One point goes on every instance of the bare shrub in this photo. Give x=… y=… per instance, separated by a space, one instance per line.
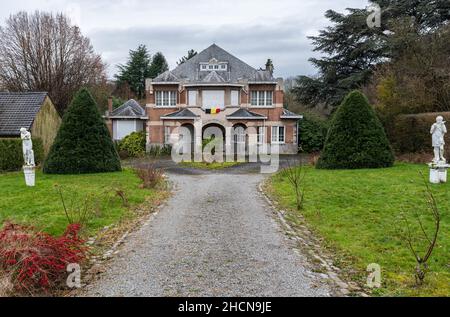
x=295 y=174
x=78 y=211
x=150 y=176
x=420 y=242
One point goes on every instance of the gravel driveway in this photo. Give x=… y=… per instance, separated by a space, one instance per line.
x=216 y=237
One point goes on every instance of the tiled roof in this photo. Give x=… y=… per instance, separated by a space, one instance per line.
x=182 y=114
x=290 y=115
x=131 y=109
x=237 y=70
x=213 y=77
x=245 y=114
x=18 y=110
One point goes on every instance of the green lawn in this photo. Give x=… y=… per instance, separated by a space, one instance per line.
x=41 y=206
x=357 y=213
x=210 y=166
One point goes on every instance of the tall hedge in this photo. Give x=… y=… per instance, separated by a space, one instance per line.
x=313 y=132
x=356 y=139
x=83 y=143
x=11 y=154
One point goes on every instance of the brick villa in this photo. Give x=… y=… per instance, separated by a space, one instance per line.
x=214 y=89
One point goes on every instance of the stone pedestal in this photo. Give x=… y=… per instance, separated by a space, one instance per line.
x=438 y=172
x=30 y=175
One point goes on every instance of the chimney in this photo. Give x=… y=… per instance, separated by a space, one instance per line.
x=269 y=66
x=110 y=105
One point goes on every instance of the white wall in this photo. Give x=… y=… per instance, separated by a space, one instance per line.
x=213 y=98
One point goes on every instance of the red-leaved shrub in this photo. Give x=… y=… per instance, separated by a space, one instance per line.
x=37 y=261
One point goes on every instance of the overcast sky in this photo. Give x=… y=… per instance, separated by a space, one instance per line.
x=253 y=30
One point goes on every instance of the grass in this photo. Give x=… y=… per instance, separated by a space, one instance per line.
x=41 y=206
x=357 y=213
x=209 y=166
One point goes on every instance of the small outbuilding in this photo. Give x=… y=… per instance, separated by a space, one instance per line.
x=126 y=119
x=31 y=110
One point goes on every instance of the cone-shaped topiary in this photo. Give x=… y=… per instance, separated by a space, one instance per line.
x=356 y=138
x=83 y=143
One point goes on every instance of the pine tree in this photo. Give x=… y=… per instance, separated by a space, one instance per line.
x=356 y=138
x=184 y=59
x=159 y=65
x=137 y=69
x=83 y=143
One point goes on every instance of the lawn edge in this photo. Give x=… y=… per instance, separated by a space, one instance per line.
x=316 y=254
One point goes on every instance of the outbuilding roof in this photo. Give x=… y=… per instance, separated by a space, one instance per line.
x=18 y=110
x=131 y=109
x=290 y=115
x=184 y=114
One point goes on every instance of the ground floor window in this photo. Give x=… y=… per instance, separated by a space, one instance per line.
x=261 y=135
x=278 y=135
x=166 y=135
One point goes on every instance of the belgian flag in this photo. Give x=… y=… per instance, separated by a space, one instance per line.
x=213 y=111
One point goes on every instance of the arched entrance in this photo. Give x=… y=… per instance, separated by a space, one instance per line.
x=216 y=132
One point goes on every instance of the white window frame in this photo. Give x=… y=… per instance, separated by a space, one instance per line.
x=167 y=135
x=261 y=98
x=166 y=98
x=237 y=97
x=276 y=135
x=261 y=136
x=193 y=97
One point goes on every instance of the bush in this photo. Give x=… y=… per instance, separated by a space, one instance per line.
x=133 y=145
x=312 y=133
x=11 y=154
x=356 y=138
x=36 y=261
x=411 y=133
x=156 y=150
x=83 y=144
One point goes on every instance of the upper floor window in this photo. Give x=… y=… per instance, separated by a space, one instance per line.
x=166 y=98
x=261 y=98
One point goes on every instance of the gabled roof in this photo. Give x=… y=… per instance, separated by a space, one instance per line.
x=213 y=77
x=237 y=70
x=290 y=115
x=184 y=114
x=168 y=76
x=18 y=110
x=244 y=114
x=131 y=109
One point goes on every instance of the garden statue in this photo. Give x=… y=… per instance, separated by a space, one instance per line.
x=439 y=166
x=27 y=146
x=438 y=130
x=28 y=157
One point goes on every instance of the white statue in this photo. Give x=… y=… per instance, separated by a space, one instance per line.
x=438 y=130
x=27 y=146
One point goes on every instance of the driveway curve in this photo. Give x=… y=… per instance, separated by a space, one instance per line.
x=215 y=237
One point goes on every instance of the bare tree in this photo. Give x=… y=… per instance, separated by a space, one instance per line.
x=430 y=240
x=45 y=52
x=295 y=174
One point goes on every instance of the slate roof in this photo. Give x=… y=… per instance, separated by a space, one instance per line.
x=181 y=114
x=237 y=70
x=18 y=110
x=131 y=109
x=245 y=114
x=290 y=115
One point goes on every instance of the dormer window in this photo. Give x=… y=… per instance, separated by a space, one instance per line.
x=214 y=65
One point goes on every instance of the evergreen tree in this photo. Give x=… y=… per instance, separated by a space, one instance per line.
x=137 y=69
x=184 y=59
x=159 y=65
x=352 y=49
x=83 y=143
x=356 y=138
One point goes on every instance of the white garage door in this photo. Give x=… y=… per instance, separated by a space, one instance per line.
x=213 y=99
x=123 y=128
